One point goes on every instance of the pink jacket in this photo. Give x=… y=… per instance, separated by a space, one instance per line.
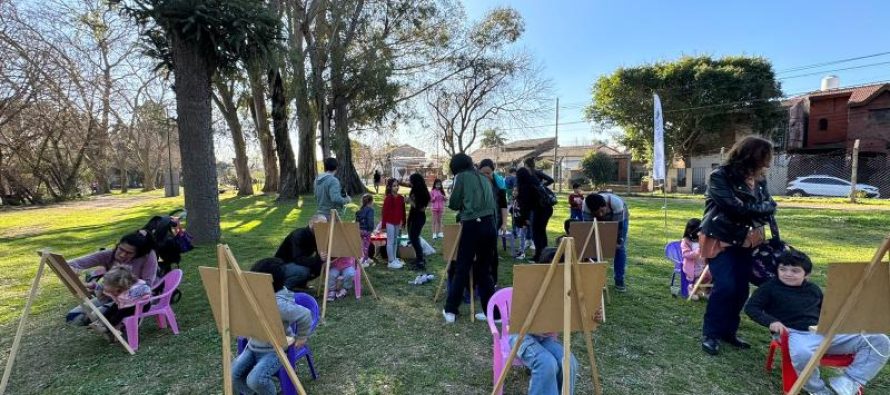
x=693 y=264
x=145 y=267
x=437 y=200
x=139 y=292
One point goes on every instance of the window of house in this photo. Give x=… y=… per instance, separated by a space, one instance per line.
x=823 y=124
x=880 y=115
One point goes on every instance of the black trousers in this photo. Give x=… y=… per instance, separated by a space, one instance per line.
x=478 y=239
x=730 y=271
x=415 y=225
x=540 y=218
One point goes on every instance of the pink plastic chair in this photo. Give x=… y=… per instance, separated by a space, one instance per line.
x=160 y=307
x=357 y=279
x=500 y=337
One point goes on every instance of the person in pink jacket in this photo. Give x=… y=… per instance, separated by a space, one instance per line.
x=437 y=206
x=693 y=263
x=126 y=291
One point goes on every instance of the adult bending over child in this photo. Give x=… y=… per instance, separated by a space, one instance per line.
x=134 y=250
x=790 y=303
x=303 y=261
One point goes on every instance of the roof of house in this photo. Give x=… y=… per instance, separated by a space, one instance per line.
x=529 y=144
x=406 y=151
x=501 y=156
x=580 y=151
x=858 y=95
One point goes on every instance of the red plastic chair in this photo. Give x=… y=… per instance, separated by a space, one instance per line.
x=500 y=337
x=160 y=308
x=789 y=375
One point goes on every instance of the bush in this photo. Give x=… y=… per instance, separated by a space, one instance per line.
x=599 y=168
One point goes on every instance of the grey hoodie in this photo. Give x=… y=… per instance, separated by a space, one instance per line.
x=327 y=194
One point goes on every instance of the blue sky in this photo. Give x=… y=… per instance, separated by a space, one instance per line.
x=577 y=41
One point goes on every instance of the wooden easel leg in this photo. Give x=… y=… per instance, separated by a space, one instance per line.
x=225 y=330
x=530 y=317
x=16 y=343
x=588 y=339
x=848 y=305
x=441 y=282
x=368 y=281
x=327 y=266
x=697 y=282
x=567 y=297
x=267 y=328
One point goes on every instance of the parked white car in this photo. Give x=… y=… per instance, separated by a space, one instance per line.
x=823 y=185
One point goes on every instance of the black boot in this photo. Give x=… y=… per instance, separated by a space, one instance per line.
x=711 y=345
x=737 y=342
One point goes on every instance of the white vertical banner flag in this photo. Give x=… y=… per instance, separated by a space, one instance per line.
x=658 y=154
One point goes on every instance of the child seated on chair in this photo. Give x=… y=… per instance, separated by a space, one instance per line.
x=340 y=278
x=125 y=290
x=365 y=219
x=693 y=263
x=791 y=303
x=543 y=354
x=253 y=370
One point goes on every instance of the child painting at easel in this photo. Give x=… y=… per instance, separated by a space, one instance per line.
x=122 y=286
x=254 y=369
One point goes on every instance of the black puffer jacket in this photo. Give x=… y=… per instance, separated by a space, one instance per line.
x=732 y=209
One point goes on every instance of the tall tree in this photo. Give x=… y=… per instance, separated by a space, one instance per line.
x=700 y=96
x=494 y=85
x=224 y=98
x=260 y=116
x=195 y=39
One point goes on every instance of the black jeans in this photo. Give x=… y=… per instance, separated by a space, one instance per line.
x=730 y=271
x=540 y=218
x=115 y=315
x=478 y=238
x=416 y=220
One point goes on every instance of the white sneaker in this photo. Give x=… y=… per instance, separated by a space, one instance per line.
x=396 y=264
x=441 y=235
x=480 y=317
x=366 y=262
x=520 y=257
x=843 y=385
x=449 y=317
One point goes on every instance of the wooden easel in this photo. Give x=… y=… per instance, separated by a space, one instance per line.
x=573 y=296
x=698 y=283
x=595 y=232
x=254 y=321
x=58 y=265
x=835 y=324
x=352 y=249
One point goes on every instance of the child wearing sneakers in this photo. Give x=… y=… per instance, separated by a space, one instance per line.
x=365 y=219
x=791 y=303
x=394 y=220
x=437 y=206
x=693 y=263
x=340 y=278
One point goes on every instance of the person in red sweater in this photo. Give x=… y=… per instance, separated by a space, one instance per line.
x=393 y=220
x=576 y=200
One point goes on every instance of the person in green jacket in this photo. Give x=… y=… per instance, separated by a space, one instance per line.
x=328 y=193
x=473 y=198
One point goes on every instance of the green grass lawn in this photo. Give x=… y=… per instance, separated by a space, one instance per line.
x=398 y=345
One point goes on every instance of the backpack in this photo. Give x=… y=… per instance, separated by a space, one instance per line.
x=766 y=256
x=170 y=241
x=548 y=198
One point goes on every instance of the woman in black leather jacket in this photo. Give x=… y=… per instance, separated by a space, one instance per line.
x=737 y=207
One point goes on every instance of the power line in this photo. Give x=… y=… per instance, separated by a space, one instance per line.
x=841 y=69
x=831 y=62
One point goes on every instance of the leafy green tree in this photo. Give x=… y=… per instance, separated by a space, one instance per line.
x=195 y=39
x=493 y=138
x=700 y=96
x=599 y=168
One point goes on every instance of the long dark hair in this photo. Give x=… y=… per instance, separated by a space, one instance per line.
x=440 y=188
x=524 y=176
x=419 y=193
x=142 y=242
x=749 y=155
x=692 y=228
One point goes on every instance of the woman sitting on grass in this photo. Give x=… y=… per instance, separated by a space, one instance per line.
x=134 y=250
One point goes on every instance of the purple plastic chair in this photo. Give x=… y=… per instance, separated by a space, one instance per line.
x=160 y=308
x=500 y=337
x=673 y=252
x=294 y=354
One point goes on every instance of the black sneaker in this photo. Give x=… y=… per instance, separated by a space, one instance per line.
x=711 y=345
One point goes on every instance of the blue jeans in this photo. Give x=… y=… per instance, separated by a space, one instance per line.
x=252 y=372
x=866 y=364
x=296 y=276
x=543 y=355
x=392 y=241
x=575 y=214
x=347 y=273
x=730 y=271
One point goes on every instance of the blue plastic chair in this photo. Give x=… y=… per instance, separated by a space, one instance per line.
x=674 y=253
x=294 y=354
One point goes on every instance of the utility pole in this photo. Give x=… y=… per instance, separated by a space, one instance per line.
x=853 y=190
x=558 y=178
x=171 y=188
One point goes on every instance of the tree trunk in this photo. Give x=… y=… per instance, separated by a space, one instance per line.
x=124 y=180
x=287 y=186
x=349 y=178
x=148 y=177
x=193 y=74
x=306 y=167
x=229 y=110
x=261 y=121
